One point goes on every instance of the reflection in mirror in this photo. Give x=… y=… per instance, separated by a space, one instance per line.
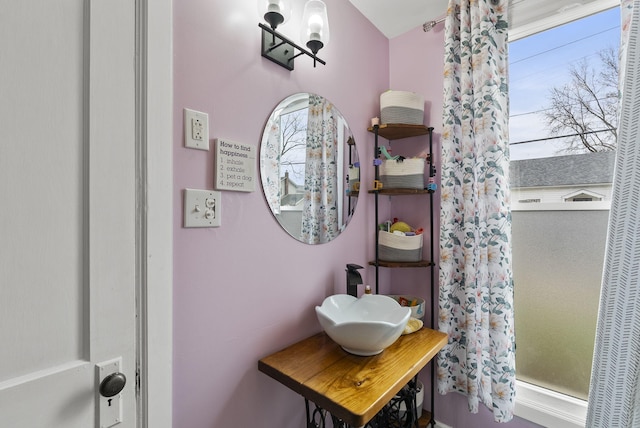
x=309 y=168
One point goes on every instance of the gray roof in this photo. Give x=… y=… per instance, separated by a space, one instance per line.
x=586 y=168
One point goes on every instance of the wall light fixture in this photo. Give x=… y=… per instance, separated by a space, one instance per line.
x=280 y=49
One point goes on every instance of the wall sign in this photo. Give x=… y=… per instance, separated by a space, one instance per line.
x=235 y=166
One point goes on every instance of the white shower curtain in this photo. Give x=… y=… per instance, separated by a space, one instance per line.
x=614 y=393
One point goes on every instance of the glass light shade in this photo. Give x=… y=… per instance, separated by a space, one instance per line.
x=274 y=12
x=315 y=25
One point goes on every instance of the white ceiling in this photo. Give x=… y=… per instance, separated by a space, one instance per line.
x=395 y=17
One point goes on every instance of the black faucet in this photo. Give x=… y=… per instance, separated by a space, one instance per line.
x=353 y=279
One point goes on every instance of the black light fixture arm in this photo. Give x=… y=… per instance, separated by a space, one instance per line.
x=280 y=49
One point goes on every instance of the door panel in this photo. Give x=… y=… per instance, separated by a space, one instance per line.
x=67 y=224
x=40 y=122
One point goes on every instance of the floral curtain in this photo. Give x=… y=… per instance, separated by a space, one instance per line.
x=319 y=213
x=270 y=164
x=614 y=397
x=476 y=285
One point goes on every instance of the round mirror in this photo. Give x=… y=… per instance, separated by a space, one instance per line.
x=309 y=168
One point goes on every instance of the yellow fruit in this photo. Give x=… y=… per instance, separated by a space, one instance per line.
x=400 y=226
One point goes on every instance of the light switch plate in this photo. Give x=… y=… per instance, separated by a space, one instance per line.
x=202 y=208
x=196 y=129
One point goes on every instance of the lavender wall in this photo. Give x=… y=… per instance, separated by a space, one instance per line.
x=416 y=64
x=247 y=289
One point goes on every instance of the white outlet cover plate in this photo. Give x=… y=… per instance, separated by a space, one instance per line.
x=202 y=208
x=189 y=138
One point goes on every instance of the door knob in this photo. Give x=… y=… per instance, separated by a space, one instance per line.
x=112 y=384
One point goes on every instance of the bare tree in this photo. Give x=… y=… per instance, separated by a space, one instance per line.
x=294 y=142
x=585 y=110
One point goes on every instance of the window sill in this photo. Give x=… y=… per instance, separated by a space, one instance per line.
x=549 y=408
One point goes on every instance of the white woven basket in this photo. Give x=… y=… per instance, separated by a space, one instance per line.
x=407 y=174
x=399 y=248
x=401 y=107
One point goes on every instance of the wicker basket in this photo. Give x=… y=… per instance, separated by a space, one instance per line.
x=399 y=248
x=401 y=107
x=406 y=174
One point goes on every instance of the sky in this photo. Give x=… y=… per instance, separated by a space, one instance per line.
x=542 y=61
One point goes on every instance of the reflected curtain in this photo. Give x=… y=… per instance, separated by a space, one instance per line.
x=270 y=164
x=614 y=392
x=476 y=285
x=319 y=213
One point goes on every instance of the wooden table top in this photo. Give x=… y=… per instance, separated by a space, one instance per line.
x=351 y=387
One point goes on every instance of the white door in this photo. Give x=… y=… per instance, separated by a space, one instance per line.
x=67 y=210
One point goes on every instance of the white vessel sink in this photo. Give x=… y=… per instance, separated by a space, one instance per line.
x=364 y=326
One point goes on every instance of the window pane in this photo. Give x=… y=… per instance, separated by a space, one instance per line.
x=561 y=180
x=557 y=263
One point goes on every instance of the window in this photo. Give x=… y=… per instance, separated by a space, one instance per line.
x=561 y=176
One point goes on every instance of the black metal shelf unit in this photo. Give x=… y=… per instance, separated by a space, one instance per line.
x=392 y=132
